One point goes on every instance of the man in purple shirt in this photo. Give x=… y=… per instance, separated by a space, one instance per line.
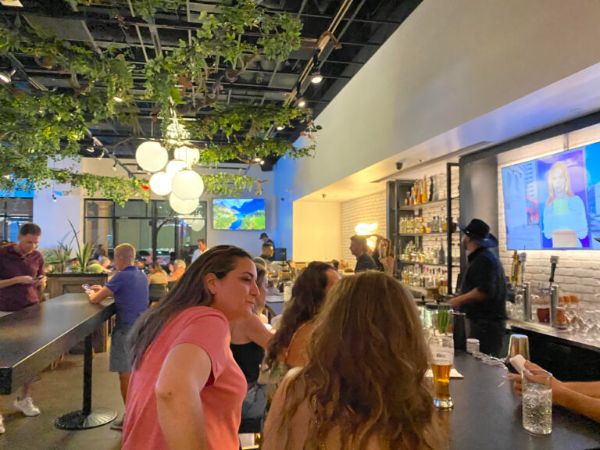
x=129 y=287
x=21 y=283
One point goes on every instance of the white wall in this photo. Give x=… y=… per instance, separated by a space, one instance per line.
x=578 y=271
x=368 y=209
x=53 y=216
x=317 y=231
x=449 y=63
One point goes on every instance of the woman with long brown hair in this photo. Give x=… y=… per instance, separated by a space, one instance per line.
x=186 y=390
x=288 y=346
x=363 y=386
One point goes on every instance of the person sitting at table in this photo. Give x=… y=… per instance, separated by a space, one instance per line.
x=22 y=282
x=580 y=397
x=249 y=340
x=158 y=280
x=178 y=270
x=363 y=385
x=186 y=389
x=129 y=287
x=288 y=347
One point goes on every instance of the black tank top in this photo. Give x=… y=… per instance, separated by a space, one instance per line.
x=248 y=356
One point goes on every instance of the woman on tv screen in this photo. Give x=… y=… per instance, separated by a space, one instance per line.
x=565 y=221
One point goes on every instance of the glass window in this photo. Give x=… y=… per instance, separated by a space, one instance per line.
x=98 y=208
x=133 y=208
x=137 y=232
x=14 y=212
x=99 y=231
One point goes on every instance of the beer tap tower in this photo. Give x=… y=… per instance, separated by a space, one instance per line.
x=525 y=287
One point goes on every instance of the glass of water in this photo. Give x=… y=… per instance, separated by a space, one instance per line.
x=537 y=402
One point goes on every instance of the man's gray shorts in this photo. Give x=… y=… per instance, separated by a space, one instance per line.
x=120 y=357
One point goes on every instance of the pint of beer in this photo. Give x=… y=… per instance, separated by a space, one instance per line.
x=442 y=358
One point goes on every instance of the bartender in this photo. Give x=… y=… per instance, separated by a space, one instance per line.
x=482 y=294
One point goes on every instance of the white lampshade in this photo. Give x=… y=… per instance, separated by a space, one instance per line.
x=183 y=206
x=197 y=224
x=160 y=183
x=188 y=154
x=175 y=166
x=151 y=156
x=187 y=185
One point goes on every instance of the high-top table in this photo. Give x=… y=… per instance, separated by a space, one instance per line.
x=31 y=339
x=488 y=416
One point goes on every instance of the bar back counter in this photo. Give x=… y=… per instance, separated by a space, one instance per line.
x=31 y=339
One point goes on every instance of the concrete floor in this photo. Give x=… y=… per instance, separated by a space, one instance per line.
x=57 y=392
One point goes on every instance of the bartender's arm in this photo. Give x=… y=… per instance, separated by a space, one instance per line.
x=473 y=296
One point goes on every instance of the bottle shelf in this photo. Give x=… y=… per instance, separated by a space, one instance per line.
x=425 y=234
x=422 y=205
x=405 y=261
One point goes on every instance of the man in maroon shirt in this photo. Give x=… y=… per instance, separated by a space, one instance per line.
x=21 y=283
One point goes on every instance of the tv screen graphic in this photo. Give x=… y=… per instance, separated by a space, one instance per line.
x=239 y=213
x=554 y=202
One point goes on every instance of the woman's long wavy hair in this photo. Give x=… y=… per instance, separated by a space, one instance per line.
x=365 y=378
x=188 y=291
x=308 y=294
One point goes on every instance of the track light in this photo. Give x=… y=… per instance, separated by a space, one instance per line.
x=262 y=161
x=301 y=102
x=118 y=99
x=316 y=77
x=54 y=198
x=280 y=127
x=6 y=77
x=257 y=160
x=90 y=150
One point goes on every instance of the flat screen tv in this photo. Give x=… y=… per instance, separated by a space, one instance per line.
x=554 y=202
x=238 y=213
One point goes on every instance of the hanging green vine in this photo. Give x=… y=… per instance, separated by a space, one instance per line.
x=39 y=127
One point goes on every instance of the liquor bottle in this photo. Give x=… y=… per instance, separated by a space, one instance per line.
x=425 y=192
x=441 y=253
x=431 y=189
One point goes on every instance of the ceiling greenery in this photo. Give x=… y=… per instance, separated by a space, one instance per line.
x=38 y=127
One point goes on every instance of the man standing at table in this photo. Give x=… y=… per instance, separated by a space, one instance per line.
x=21 y=283
x=129 y=288
x=483 y=289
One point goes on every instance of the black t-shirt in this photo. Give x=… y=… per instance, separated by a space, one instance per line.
x=485 y=273
x=364 y=262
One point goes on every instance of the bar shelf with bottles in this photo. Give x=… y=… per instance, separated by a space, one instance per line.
x=424 y=232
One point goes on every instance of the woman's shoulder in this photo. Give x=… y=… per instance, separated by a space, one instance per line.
x=201 y=313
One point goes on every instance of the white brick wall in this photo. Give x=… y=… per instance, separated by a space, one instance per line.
x=578 y=271
x=369 y=209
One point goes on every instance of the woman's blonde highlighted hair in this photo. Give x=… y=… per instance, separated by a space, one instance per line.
x=561 y=168
x=366 y=375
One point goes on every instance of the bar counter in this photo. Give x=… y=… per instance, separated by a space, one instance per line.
x=488 y=416
x=560 y=336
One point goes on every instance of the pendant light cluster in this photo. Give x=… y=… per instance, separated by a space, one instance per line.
x=174 y=178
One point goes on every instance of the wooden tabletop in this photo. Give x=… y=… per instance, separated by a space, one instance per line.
x=488 y=416
x=31 y=339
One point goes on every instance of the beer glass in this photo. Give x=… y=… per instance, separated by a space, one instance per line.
x=442 y=358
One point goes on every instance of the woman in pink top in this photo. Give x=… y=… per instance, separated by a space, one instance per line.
x=186 y=390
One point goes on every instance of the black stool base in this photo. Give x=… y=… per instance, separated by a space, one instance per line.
x=77 y=420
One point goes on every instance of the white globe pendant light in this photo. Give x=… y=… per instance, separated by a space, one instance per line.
x=183 y=206
x=151 y=156
x=175 y=166
x=160 y=183
x=188 y=154
x=197 y=224
x=187 y=185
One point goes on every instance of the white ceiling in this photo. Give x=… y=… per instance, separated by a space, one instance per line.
x=574 y=96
